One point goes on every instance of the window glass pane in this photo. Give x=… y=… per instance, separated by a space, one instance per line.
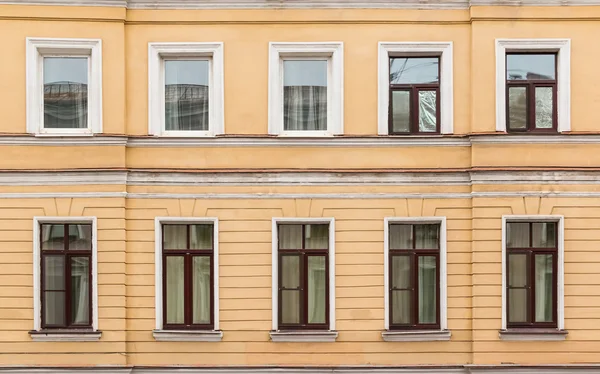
x=400 y=272
x=543 y=234
x=175 y=236
x=427 y=111
x=543 y=107
x=80 y=290
x=517 y=270
x=517 y=234
x=290 y=306
x=400 y=111
x=427 y=236
x=517 y=107
x=317 y=289
x=290 y=271
x=53 y=237
x=305 y=95
x=54 y=308
x=80 y=237
x=175 y=289
x=201 y=289
x=54 y=273
x=316 y=236
x=401 y=307
x=401 y=237
x=544 y=281
x=530 y=66
x=65 y=92
x=427 y=289
x=201 y=236
x=290 y=236
x=411 y=70
x=517 y=305
x=186 y=95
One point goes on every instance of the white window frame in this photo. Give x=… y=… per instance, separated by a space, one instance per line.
x=37 y=49
x=191 y=335
x=157 y=54
x=37 y=267
x=333 y=52
x=275 y=265
x=563 y=81
x=416 y=49
x=443 y=265
x=560 y=277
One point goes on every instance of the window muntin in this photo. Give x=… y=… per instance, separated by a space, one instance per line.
x=414 y=95
x=65 y=92
x=186 y=94
x=303 y=251
x=531 y=286
x=188 y=279
x=531 y=91
x=66 y=274
x=414 y=261
x=305 y=94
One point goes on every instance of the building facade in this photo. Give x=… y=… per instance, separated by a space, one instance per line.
x=255 y=186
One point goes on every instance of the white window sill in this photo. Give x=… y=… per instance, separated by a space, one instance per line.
x=65 y=336
x=188 y=335
x=533 y=334
x=304 y=336
x=59 y=134
x=185 y=134
x=416 y=336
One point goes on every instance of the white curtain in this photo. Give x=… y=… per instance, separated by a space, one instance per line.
x=290 y=281
x=517 y=234
x=201 y=290
x=175 y=289
x=401 y=237
x=317 y=297
x=186 y=107
x=80 y=290
x=65 y=105
x=427 y=111
x=427 y=278
x=517 y=278
x=543 y=288
x=305 y=108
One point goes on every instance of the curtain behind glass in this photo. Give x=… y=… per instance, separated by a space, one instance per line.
x=201 y=289
x=65 y=92
x=427 y=278
x=175 y=289
x=317 y=299
x=305 y=95
x=186 y=95
x=80 y=286
x=543 y=288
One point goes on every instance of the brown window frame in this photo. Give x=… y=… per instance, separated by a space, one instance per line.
x=304 y=254
x=530 y=85
x=188 y=255
x=67 y=254
x=414 y=90
x=414 y=255
x=530 y=253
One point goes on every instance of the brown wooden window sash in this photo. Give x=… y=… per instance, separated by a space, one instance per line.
x=67 y=256
x=303 y=255
x=188 y=255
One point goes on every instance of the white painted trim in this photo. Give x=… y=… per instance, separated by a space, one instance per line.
x=66 y=337
x=560 y=302
x=304 y=336
x=37 y=270
x=36 y=49
x=275 y=264
x=537 y=336
x=334 y=52
x=187 y=335
x=442 y=49
x=157 y=52
x=416 y=336
x=563 y=80
x=158 y=270
x=441 y=220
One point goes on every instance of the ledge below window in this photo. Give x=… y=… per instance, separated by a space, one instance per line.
x=188 y=335
x=304 y=336
x=533 y=334
x=65 y=336
x=416 y=336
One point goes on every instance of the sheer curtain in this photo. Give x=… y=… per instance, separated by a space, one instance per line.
x=175 y=238
x=186 y=95
x=65 y=92
x=201 y=292
x=305 y=108
x=80 y=290
x=427 y=289
x=543 y=288
x=427 y=111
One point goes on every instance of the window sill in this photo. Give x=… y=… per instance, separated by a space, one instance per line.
x=315 y=336
x=416 y=336
x=60 y=134
x=533 y=334
x=188 y=335
x=65 y=336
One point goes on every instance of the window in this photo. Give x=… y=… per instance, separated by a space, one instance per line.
x=187 y=256
x=533 y=85
x=305 y=89
x=185 y=89
x=414 y=93
x=64 y=93
x=531 y=91
x=415 y=88
x=531 y=277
